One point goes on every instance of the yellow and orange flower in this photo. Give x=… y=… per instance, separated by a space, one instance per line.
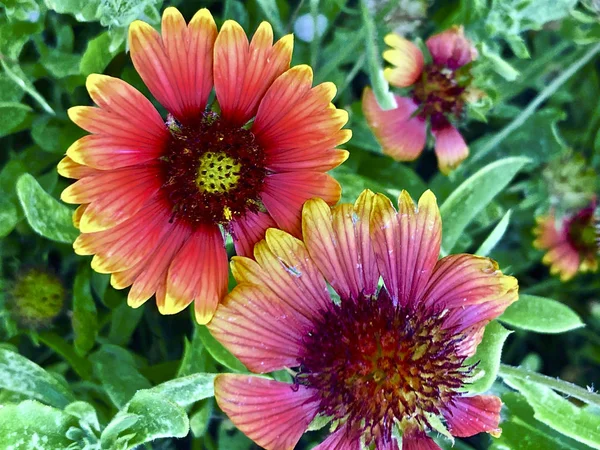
x=156 y=195
x=439 y=91
x=572 y=243
x=375 y=357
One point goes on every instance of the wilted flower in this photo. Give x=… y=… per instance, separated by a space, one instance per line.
x=373 y=359
x=155 y=195
x=572 y=243
x=439 y=92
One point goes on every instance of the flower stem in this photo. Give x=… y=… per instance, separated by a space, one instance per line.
x=533 y=106
x=570 y=389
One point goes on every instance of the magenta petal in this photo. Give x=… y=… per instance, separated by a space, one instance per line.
x=271 y=413
x=471 y=415
x=248 y=230
x=451 y=48
x=340 y=440
x=418 y=440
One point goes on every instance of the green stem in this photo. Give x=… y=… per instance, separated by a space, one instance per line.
x=534 y=105
x=570 y=389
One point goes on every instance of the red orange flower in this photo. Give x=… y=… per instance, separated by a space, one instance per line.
x=439 y=92
x=572 y=243
x=375 y=358
x=155 y=195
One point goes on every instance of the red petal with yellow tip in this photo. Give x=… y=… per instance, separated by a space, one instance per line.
x=271 y=413
x=248 y=230
x=450 y=148
x=406 y=59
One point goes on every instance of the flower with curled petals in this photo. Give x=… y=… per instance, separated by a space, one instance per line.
x=375 y=358
x=439 y=91
x=572 y=244
x=156 y=193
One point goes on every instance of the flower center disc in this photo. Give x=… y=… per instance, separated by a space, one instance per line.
x=213 y=172
x=439 y=92
x=374 y=363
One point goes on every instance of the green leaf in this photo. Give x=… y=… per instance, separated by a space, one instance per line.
x=157 y=417
x=218 y=352
x=540 y=314
x=271 y=11
x=18 y=76
x=13 y=114
x=84 y=318
x=80 y=365
x=18 y=374
x=46 y=215
x=9 y=217
x=467 y=200
x=487 y=358
x=124 y=320
x=97 y=55
x=495 y=236
x=559 y=413
x=121 y=422
x=199 y=420
x=187 y=390
x=115 y=367
x=86 y=414
x=33 y=426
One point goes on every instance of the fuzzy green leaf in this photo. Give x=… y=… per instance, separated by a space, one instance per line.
x=542 y=315
x=218 y=352
x=9 y=217
x=187 y=390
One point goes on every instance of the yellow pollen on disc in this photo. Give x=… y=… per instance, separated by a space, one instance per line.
x=218 y=173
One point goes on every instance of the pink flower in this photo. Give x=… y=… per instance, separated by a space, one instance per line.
x=374 y=358
x=439 y=93
x=572 y=243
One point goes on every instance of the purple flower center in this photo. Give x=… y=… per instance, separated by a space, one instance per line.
x=583 y=234
x=374 y=363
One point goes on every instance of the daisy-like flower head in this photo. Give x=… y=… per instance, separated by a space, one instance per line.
x=572 y=243
x=156 y=193
x=439 y=91
x=372 y=358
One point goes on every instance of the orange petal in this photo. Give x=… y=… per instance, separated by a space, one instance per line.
x=259 y=328
x=271 y=413
x=285 y=193
x=406 y=243
x=199 y=273
x=339 y=243
x=248 y=230
x=298 y=126
x=406 y=59
x=401 y=136
x=450 y=148
x=177 y=68
x=243 y=72
x=70 y=169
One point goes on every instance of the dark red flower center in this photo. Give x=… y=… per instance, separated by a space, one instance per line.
x=374 y=364
x=582 y=233
x=213 y=172
x=440 y=92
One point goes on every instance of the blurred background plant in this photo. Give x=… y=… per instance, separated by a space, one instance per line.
x=83 y=370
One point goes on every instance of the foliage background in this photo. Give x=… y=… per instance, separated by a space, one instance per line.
x=539 y=65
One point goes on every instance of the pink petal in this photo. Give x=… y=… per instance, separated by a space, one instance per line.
x=338 y=241
x=406 y=243
x=285 y=193
x=451 y=48
x=418 y=440
x=401 y=136
x=563 y=259
x=340 y=440
x=548 y=232
x=450 y=148
x=248 y=230
x=471 y=415
x=269 y=412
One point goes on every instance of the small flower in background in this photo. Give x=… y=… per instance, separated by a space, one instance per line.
x=572 y=243
x=372 y=359
x=439 y=92
x=156 y=195
x=35 y=298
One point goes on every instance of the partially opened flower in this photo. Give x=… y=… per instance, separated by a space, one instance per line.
x=371 y=358
x=572 y=243
x=156 y=194
x=439 y=92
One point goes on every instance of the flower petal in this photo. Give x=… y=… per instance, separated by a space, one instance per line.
x=248 y=230
x=407 y=61
x=70 y=169
x=340 y=440
x=269 y=412
x=177 y=68
x=547 y=233
x=563 y=260
x=406 y=243
x=468 y=416
x=113 y=196
x=472 y=288
x=285 y=193
x=418 y=440
x=401 y=136
x=451 y=48
x=243 y=72
x=198 y=273
x=298 y=126
x=338 y=241
x=450 y=148
x=260 y=329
